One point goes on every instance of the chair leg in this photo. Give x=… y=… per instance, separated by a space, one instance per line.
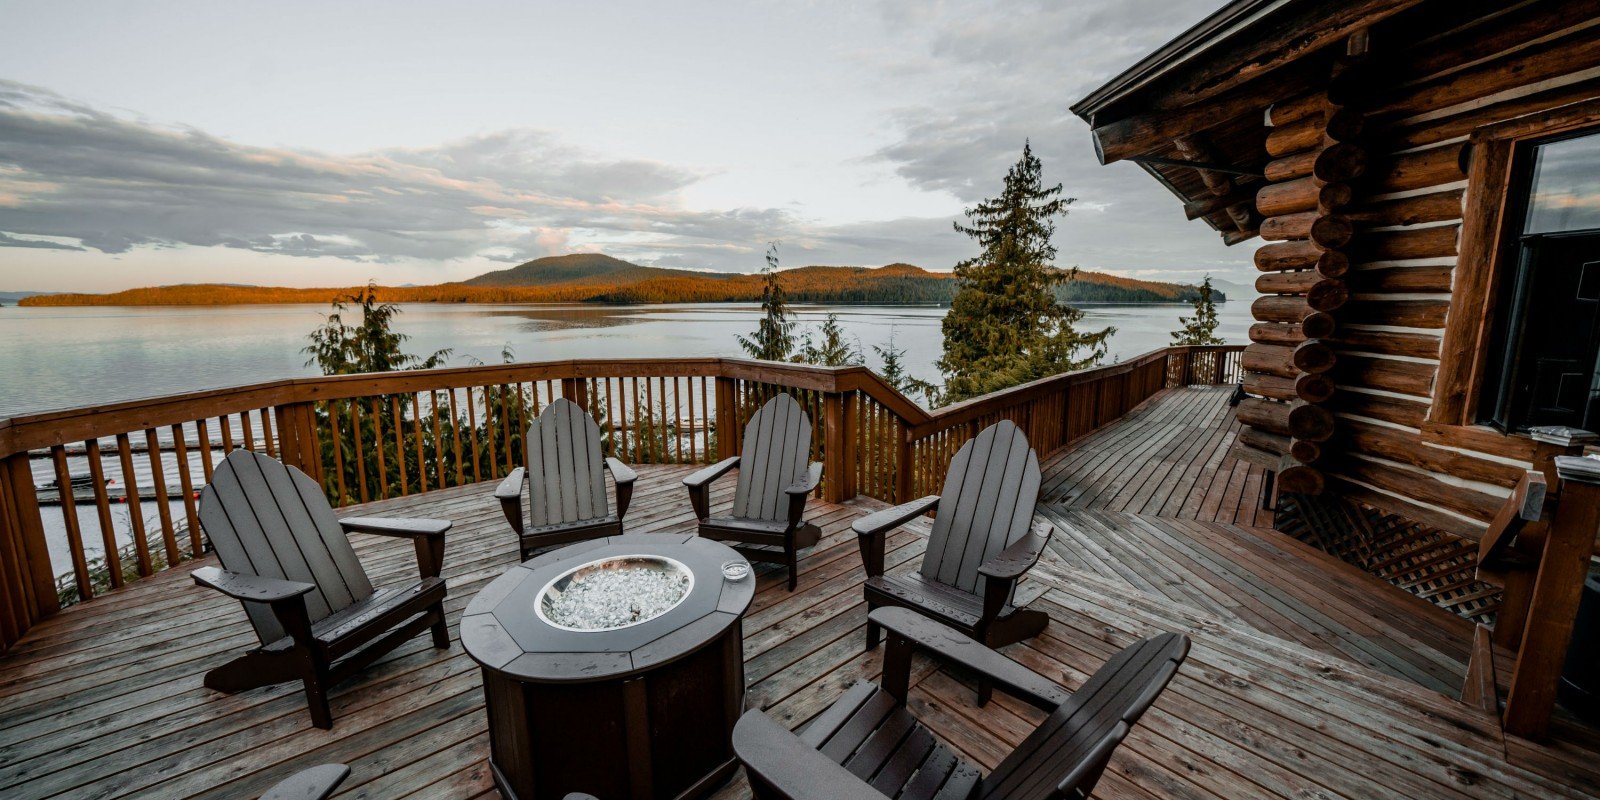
x=794 y=569
x=441 y=631
x=316 y=681
x=874 y=633
x=985 y=692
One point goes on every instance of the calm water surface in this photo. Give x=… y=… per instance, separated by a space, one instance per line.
x=69 y=357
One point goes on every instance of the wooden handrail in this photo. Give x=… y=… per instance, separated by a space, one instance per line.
x=377 y=435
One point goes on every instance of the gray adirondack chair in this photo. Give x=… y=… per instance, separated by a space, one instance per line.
x=767 y=522
x=564 y=482
x=868 y=745
x=288 y=559
x=983 y=541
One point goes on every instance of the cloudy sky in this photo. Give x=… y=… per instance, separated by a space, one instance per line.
x=291 y=143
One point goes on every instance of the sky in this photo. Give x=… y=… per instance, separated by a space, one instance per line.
x=319 y=144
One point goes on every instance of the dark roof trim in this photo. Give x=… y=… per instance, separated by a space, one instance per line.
x=1230 y=19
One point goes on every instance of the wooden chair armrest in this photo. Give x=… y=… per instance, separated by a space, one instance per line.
x=1010 y=563
x=399 y=528
x=891 y=518
x=705 y=476
x=509 y=493
x=510 y=487
x=809 y=483
x=250 y=588
x=426 y=534
x=793 y=769
x=800 y=492
x=700 y=486
x=620 y=472
x=909 y=629
x=624 y=476
x=316 y=783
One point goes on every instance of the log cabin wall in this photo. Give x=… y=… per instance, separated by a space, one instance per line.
x=1405 y=440
x=1376 y=141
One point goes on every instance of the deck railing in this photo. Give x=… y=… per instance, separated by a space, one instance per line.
x=375 y=436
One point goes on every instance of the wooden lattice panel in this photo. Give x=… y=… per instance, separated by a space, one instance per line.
x=1428 y=562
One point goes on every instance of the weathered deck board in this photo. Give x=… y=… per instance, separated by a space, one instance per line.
x=1167 y=457
x=1296 y=687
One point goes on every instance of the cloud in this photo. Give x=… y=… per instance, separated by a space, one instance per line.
x=12 y=241
x=959 y=86
x=112 y=184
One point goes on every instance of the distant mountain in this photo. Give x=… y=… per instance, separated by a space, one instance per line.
x=575 y=268
x=11 y=298
x=596 y=278
x=1237 y=290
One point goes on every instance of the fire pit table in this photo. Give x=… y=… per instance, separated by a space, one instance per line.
x=613 y=667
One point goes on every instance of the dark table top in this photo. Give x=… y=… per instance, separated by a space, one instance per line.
x=502 y=631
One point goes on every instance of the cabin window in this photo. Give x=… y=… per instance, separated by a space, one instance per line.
x=1545 y=369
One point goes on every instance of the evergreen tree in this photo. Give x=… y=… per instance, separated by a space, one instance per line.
x=895 y=374
x=370 y=346
x=773 y=339
x=1005 y=326
x=1202 y=327
x=833 y=350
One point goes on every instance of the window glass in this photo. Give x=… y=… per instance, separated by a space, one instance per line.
x=1566 y=186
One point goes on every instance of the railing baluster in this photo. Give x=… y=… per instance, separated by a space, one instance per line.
x=455 y=437
x=377 y=447
x=472 y=431
x=488 y=430
x=505 y=424
x=227 y=434
x=135 y=517
x=416 y=434
x=266 y=432
x=439 y=460
x=358 y=450
x=247 y=430
x=191 y=515
x=69 y=516
x=203 y=436
x=338 y=450
x=158 y=477
x=399 y=443
x=102 y=507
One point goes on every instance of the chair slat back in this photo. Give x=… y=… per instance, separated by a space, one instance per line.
x=1065 y=755
x=989 y=495
x=777 y=447
x=566 y=480
x=266 y=518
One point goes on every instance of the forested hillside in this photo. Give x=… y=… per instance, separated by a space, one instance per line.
x=595 y=278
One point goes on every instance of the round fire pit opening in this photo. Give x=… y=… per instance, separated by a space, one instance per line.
x=615 y=592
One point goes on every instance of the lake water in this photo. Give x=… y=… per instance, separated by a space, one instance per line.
x=70 y=357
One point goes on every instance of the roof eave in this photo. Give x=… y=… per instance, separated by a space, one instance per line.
x=1193 y=42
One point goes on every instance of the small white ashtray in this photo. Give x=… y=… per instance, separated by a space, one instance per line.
x=735 y=570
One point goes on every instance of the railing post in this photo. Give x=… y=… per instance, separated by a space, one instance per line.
x=576 y=390
x=902 y=466
x=727 y=419
x=835 y=465
x=297 y=438
x=1553 y=608
x=36 y=576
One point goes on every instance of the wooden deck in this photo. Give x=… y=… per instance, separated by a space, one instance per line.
x=1292 y=689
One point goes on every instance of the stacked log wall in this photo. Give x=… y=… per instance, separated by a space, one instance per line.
x=1316 y=154
x=1400 y=261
